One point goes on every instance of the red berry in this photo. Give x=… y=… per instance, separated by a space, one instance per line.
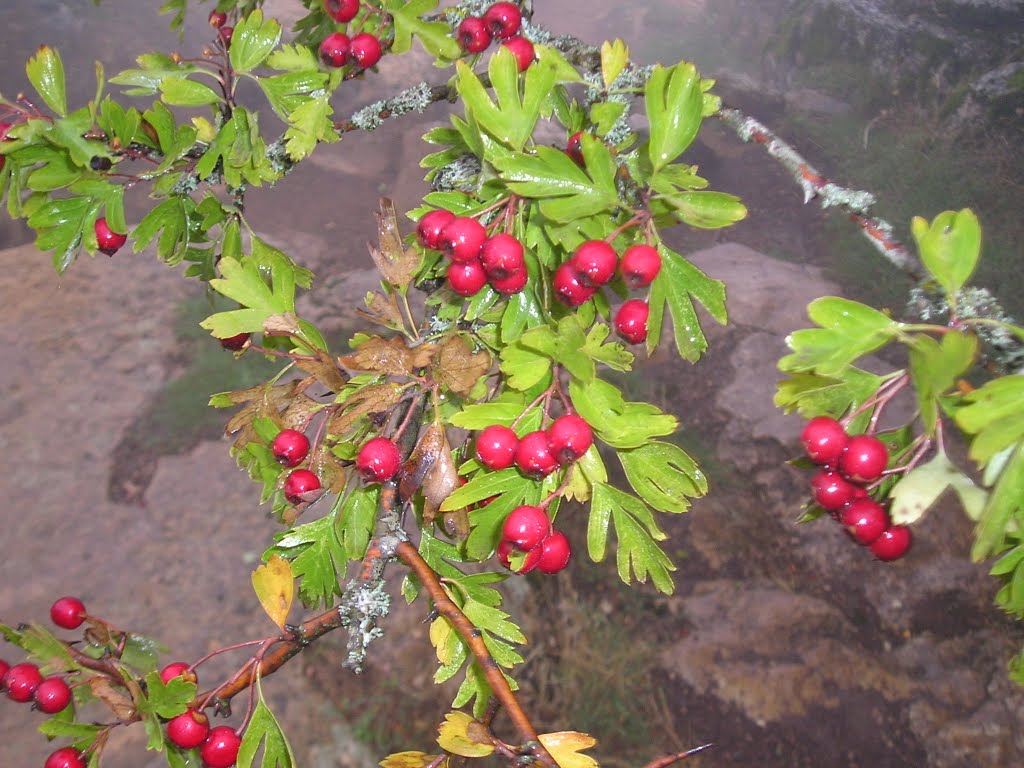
x=4 y=666
x=865 y=519
x=463 y=239
x=569 y=437
x=67 y=612
x=631 y=320
x=298 y=483
x=514 y=283
x=21 y=681
x=466 y=278
x=334 y=49
x=217 y=19
x=341 y=10
x=52 y=695
x=522 y=49
x=189 y=729
x=824 y=440
x=503 y=19
x=236 y=342
x=595 y=262
x=365 y=50
x=378 y=460
x=555 y=553
x=529 y=562
x=526 y=527
x=832 y=491
x=496 y=447
x=640 y=265
x=574 y=147
x=178 y=669
x=107 y=240
x=568 y=288
x=226 y=34
x=502 y=256
x=65 y=757
x=473 y=35
x=430 y=226
x=220 y=750
x=534 y=457
x=892 y=544
x=290 y=447
x=504 y=552
x=864 y=459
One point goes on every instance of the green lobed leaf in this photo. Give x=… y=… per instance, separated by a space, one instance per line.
x=316 y=555
x=1005 y=508
x=166 y=700
x=637 y=533
x=949 y=247
x=614 y=57
x=435 y=36
x=308 y=124
x=935 y=366
x=674 y=104
x=264 y=729
x=993 y=415
x=812 y=394
x=675 y=287
x=45 y=71
x=848 y=330
x=663 y=475
x=39 y=643
x=182 y=92
x=253 y=40
x=619 y=423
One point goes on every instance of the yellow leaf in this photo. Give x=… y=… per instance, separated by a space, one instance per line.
x=456 y=738
x=565 y=747
x=275 y=588
x=205 y=132
x=440 y=631
x=410 y=760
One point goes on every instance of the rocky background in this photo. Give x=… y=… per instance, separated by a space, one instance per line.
x=786 y=646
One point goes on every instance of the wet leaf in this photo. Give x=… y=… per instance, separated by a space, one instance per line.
x=275 y=588
x=455 y=736
x=383 y=310
x=45 y=71
x=565 y=747
x=397 y=264
x=458 y=367
x=949 y=246
x=431 y=469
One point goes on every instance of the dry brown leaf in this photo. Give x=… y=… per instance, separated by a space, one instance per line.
x=286 y=324
x=397 y=264
x=431 y=468
x=392 y=357
x=324 y=370
x=383 y=310
x=457 y=367
x=370 y=399
x=117 y=701
x=260 y=392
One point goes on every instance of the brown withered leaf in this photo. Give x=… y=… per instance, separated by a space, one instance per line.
x=364 y=401
x=392 y=357
x=281 y=325
x=276 y=393
x=119 y=702
x=457 y=367
x=382 y=310
x=324 y=370
x=397 y=264
x=431 y=469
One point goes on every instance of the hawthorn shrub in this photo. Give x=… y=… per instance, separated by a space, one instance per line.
x=455 y=430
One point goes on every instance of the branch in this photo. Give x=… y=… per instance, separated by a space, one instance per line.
x=664 y=762
x=473 y=638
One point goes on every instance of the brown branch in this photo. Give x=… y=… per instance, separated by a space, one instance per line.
x=473 y=638
x=817 y=186
x=664 y=762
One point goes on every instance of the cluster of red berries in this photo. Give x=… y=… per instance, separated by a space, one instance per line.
x=849 y=463
x=527 y=530
x=593 y=264
x=476 y=259
x=219 y=21
x=218 y=747
x=501 y=21
x=362 y=50
x=25 y=683
x=536 y=454
x=290 y=448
